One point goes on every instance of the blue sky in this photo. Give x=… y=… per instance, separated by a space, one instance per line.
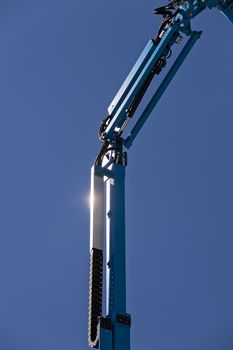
x=61 y=64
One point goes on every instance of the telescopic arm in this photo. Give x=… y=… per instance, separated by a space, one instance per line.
x=107 y=215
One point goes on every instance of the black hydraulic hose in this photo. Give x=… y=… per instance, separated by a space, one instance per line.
x=104 y=126
x=134 y=105
x=156 y=70
x=102 y=153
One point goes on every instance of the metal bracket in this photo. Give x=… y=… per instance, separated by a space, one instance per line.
x=124 y=319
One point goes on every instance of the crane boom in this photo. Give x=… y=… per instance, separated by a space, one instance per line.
x=107 y=211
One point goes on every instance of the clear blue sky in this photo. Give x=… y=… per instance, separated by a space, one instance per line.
x=61 y=63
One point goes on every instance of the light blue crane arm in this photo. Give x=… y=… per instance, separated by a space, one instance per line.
x=155 y=53
x=151 y=62
x=112 y=331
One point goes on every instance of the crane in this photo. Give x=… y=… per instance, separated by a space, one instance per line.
x=107 y=197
